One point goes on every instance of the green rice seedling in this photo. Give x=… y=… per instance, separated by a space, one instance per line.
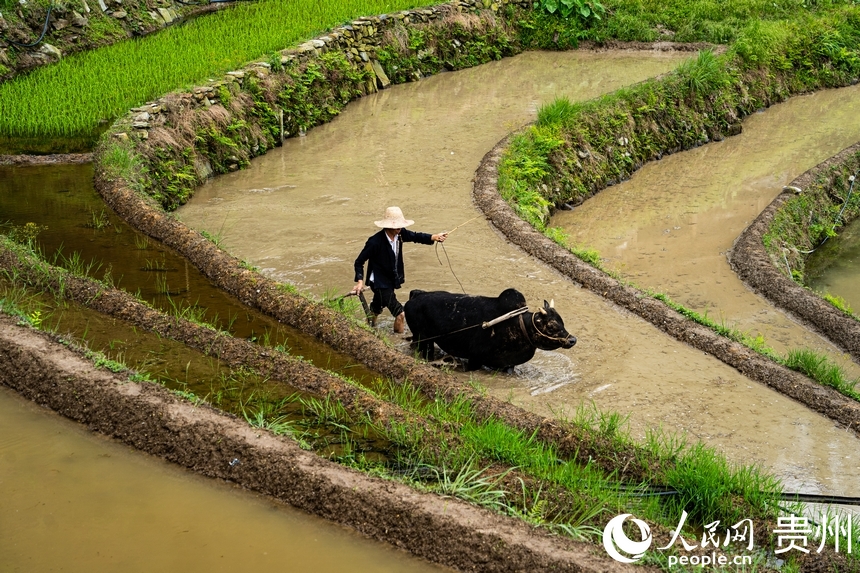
x=663 y=445
x=279 y=425
x=17 y=300
x=153 y=265
x=708 y=487
x=190 y=312
x=328 y=411
x=75 y=264
x=141 y=242
x=404 y=394
x=498 y=441
x=102 y=84
x=457 y=410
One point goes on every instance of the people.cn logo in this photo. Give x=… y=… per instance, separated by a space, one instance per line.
x=616 y=542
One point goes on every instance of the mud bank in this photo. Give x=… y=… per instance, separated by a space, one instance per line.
x=753 y=365
x=755 y=266
x=206 y=441
x=24 y=159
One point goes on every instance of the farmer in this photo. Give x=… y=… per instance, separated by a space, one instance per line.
x=384 y=251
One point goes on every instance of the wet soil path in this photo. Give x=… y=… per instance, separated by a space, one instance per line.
x=303 y=212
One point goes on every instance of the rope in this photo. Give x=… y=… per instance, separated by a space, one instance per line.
x=449 y=265
x=446 y=252
x=852 y=179
x=487 y=324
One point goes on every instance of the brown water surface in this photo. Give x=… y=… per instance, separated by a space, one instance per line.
x=668 y=228
x=303 y=212
x=78 y=502
x=74 y=222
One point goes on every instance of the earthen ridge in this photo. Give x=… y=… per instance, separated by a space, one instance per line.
x=755 y=267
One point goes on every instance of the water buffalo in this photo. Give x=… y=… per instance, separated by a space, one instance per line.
x=456 y=323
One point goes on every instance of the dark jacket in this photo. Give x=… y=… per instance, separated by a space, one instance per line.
x=387 y=272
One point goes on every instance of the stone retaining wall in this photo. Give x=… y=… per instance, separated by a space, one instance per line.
x=184 y=138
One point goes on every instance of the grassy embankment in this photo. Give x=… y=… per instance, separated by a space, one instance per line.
x=809 y=219
x=775 y=50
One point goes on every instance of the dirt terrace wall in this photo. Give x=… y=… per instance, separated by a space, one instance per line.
x=824 y=400
x=151 y=419
x=756 y=267
x=79 y=25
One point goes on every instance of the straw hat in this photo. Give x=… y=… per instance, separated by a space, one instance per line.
x=393 y=219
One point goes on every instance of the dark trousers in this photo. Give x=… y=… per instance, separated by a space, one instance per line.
x=385 y=298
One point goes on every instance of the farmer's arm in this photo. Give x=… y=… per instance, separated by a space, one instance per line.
x=365 y=254
x=424 y=238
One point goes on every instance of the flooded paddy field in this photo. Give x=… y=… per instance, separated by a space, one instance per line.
x=76 y=501
x=669 y=227
x=303 y=212
x=74 y=227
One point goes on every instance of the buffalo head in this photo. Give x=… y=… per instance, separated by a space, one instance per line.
x=547 y=329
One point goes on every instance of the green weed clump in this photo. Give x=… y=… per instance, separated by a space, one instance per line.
x=821 y=369
x=840 y=303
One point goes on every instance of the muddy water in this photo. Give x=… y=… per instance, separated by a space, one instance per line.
x=668 y=228
x=303 y=212
x=835 y=267
x=78 y=502
x=74 y=221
